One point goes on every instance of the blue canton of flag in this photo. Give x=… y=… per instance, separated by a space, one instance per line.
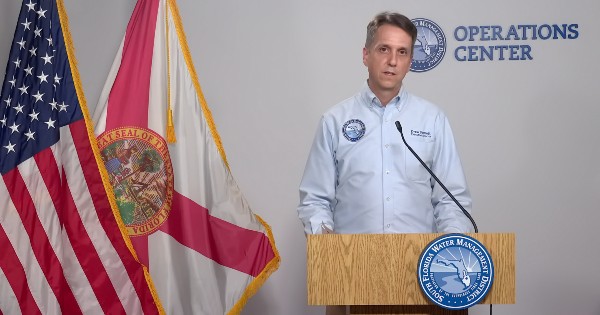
x=38 y=96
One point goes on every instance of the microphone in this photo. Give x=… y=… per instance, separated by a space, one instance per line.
x=399 y=127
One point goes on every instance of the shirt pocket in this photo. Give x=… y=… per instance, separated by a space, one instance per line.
x=413 y=168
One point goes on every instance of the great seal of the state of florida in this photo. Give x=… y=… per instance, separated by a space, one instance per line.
x=140 y=171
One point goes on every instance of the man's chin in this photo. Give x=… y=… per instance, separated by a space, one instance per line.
x=391 y=87
x=387 y=86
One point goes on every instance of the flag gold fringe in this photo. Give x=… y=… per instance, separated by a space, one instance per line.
x=64 y=21
x=262 y=277
x=188 y=60
x=273 y=265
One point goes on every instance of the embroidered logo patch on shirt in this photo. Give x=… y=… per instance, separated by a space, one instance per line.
x=353 y=130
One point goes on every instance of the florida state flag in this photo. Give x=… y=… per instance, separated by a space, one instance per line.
x=189 y=223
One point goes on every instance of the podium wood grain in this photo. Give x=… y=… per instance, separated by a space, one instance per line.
x=381 y=269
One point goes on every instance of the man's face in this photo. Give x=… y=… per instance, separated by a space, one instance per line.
x=388 y=59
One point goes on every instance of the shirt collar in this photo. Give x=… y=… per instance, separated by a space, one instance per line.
x=371 y=100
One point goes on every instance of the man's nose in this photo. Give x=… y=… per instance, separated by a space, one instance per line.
x=393 y=59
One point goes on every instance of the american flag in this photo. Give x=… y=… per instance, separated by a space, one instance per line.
x=62 y=250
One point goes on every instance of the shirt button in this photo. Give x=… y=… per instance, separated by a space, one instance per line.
x=388 y=226
x=388 y=198
x=387 y=146
x=387 y=171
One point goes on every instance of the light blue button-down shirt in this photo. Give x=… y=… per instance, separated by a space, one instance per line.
x=361 y=178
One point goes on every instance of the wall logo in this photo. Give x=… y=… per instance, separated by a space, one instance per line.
x=353 y=130
x=455 y=271
x=430 y=46
x=484 y=43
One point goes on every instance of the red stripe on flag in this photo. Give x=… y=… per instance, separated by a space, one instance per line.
x=128 y=99
x=227 y=244
x=15 y=274
x=49 y=171
x=106 y=217
x=88 y=257
x=72 y=224
x=40 y=245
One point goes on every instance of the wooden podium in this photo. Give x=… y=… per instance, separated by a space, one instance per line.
x=377 y=273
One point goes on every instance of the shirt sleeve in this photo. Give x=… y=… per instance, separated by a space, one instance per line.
x=448 y=217
x=317 y=188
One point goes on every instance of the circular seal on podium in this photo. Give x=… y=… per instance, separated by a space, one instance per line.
x=455 y=271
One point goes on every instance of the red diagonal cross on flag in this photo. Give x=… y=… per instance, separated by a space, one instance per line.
x=188 y=220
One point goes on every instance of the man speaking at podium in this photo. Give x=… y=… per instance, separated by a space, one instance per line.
x=360 y=177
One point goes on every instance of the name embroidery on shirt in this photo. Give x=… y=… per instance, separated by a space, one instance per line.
x=353 y=130
x=418 y=133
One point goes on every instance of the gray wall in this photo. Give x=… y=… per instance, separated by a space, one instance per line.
x=527 y=130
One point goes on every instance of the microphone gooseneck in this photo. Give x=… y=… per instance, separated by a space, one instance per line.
x=467 y=214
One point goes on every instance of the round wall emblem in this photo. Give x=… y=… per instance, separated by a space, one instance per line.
x=430 y=46
x=353 y=130
x=140 y=170
x=455 y=271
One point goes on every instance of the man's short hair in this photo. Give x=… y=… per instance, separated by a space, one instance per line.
x=392 y=18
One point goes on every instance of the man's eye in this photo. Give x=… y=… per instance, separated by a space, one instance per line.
x=383 y=49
